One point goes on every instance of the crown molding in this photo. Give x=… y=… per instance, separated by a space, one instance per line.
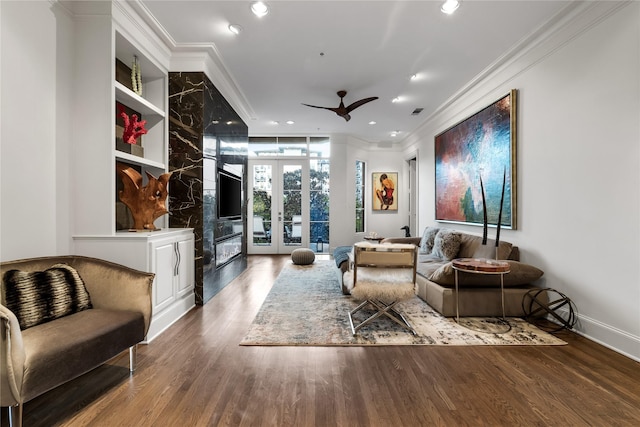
x=199 y=57
x=204 y=57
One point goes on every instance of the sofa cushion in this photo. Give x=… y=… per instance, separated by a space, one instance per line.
x=41 y=296
x=446 y=244
x=520 y=274
x=428 y=239
x=471 y=247
x=67 y=347
x=489 y=250
x=427 y=264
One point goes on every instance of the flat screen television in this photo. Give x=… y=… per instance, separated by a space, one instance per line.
x=229 y=195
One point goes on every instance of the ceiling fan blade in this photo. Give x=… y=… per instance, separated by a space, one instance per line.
x=357 y=104
x=338 y=111
x=315 y=106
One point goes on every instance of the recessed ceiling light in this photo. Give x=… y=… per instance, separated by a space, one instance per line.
x=290 y=122
x=372 y=122
x=394 y=133
x=229 y=122
x=235 y=28
x=449 y=6
x=396 y=99
x=275 y=122
x=414 y=77
x=259 y=8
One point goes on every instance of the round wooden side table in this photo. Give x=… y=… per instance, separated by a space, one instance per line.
x=481 y=266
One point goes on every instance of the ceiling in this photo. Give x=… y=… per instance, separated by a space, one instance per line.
x=305 y=51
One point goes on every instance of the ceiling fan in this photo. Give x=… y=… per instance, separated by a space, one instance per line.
x=343 y=111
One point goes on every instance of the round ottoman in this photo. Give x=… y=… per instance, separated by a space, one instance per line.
x=303 y=256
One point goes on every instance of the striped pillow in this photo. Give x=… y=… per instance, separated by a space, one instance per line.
x=41 y=296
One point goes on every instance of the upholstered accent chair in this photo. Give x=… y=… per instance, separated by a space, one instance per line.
x=37 y=355
x=382 y=275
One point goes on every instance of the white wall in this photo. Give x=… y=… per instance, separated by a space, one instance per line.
x=64 y=130
x=344 y=153
x=578 y=165
x=387 y=223
x=35 y=83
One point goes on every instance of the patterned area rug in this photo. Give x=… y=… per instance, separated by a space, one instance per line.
x=306 y=307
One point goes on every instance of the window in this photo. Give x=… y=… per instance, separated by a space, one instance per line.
x=278 y=146
x=319 y=203
x=360 y=174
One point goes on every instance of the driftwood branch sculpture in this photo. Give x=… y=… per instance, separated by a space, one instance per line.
x=145 y=203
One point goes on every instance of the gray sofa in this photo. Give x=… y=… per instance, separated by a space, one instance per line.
x=45 y=355
x=479 y=295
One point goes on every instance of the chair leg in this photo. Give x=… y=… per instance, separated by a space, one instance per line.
x=382 y=309
x=15 y=415
x=352 y=312
x=402 y=321
x=365 y=322
x=389 y=311
x=133 y=357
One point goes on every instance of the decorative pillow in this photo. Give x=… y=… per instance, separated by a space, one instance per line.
x=428 y=237
x=520 y=274
x=446 y=244
x=41 y=296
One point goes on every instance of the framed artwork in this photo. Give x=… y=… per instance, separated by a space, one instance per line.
x=384 y=196
x=480 y=151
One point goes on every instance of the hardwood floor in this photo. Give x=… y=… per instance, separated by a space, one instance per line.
x=196 y=374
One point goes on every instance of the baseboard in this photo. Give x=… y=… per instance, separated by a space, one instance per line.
x=162 y=321
x=617 y=340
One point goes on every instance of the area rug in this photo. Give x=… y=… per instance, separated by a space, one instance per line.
x=306 y=307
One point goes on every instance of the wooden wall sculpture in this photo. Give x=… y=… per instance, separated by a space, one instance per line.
x=145 y=203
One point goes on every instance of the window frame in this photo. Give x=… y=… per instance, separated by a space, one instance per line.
x=360 y=212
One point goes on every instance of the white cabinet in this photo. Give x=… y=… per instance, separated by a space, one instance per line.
x=168 y=253
x=172 y=261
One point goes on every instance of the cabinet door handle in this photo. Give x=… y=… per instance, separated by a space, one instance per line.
x=176 y=267
x=179 y=259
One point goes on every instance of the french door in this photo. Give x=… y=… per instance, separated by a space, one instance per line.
x=278 y=208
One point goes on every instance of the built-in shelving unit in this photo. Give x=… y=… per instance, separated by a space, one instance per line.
x=151 y=105
x=108 y=32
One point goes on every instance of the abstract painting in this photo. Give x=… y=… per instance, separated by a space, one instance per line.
x=481 y=147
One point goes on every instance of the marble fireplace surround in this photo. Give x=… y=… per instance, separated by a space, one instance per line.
x=198 y=116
